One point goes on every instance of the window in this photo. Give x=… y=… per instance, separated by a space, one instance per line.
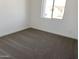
x=53 y=8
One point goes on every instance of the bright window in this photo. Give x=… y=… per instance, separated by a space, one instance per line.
x=53 y=8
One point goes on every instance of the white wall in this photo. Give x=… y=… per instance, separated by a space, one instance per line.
x=66 y=27
x=14 y=16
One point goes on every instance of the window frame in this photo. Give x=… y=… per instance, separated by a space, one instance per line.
x=43 y=7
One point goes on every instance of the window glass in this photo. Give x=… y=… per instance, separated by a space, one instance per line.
x=53 y=8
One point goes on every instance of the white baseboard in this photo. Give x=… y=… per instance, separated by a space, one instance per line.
x=11 y=32
x=34 y=28
x=53 y=33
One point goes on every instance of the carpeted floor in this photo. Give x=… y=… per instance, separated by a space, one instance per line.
x=36 y=44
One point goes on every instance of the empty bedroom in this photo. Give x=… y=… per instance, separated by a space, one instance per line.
x=38 y=29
